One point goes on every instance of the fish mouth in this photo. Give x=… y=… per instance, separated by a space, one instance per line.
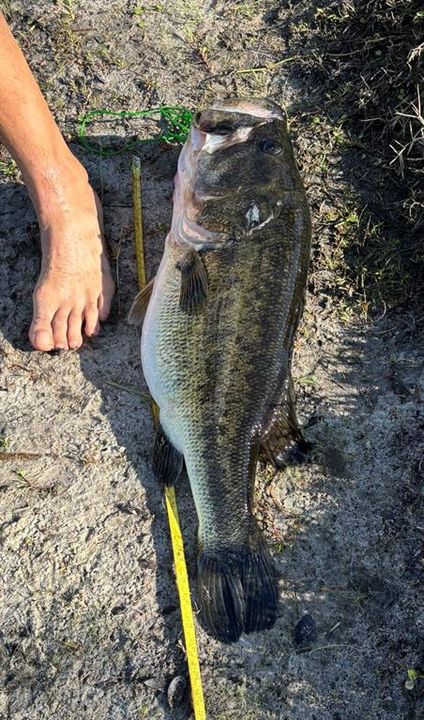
x=230 y=122
x=210 y=142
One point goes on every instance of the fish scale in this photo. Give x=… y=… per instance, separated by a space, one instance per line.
x=212 y=372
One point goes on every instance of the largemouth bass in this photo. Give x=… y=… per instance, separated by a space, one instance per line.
x=217 y=342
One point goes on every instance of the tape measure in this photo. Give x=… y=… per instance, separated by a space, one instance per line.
x=170 y=497
x=185 y=605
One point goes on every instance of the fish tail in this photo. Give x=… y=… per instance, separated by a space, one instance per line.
x=237 y=590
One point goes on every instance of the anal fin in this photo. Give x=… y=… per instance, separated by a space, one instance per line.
x=194 y=282
x=282 y=441
x=139 y=306
x=168 y=463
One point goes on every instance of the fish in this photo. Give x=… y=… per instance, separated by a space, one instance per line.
x=219 y=321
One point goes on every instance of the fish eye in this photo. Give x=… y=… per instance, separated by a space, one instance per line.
x=270 y=147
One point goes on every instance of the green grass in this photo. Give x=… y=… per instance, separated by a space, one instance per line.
x=9 y=170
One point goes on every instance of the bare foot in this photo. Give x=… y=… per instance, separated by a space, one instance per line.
x=75 y=287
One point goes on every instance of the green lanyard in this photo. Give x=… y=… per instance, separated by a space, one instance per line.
x=177 y=122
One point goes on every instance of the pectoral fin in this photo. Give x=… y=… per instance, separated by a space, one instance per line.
x=139 y=306
x=283 y=432
x=194 y=282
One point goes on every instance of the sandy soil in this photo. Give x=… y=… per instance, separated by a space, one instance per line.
x=89 y=618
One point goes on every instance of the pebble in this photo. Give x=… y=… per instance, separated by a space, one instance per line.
x=305 y=631
x=158 y=683
x=177 y=691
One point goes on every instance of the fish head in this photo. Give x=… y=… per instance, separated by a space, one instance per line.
x=236 y=166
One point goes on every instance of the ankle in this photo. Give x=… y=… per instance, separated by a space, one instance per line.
x=55 y=188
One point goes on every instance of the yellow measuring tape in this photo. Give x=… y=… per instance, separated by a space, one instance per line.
x=138 y=222
x=170 y=498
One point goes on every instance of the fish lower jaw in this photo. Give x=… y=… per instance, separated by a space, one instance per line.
x=188 y=232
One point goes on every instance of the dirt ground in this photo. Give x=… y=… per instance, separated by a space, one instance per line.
x=89 y=618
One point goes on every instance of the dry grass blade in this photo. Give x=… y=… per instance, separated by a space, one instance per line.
x=22 y=455
x=128 y=389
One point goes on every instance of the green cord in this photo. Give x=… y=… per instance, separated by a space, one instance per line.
x=177 y=120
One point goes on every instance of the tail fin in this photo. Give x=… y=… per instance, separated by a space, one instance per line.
x=237 y=590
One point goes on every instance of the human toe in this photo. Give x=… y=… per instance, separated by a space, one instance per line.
x=74 y=335
x=105 y=302
x=106 y=295
x=91 y=317
x=60 y=329
x=41 y=334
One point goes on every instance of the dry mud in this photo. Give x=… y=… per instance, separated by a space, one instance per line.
x=89 y=618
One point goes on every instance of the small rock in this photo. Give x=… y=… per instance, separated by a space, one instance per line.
x=177 y=691
x=305 y=631
x=118 y=609
x=158 y=683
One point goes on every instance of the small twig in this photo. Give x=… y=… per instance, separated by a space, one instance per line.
x=128 y=389
x=328 y=647
x=271 y=67
x=22 y=455
x=334 y=627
